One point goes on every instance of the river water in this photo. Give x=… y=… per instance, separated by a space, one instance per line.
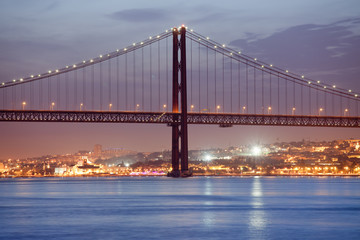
x=190 y=208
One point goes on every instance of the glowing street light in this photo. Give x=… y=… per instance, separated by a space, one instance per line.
x=52 y=106
x=269 y=110
x=293 y=110
x=208 y=157
x=192 y=107
x=243 y=109
x=320 y=110
x=110 y=105
x=256 y=151
x=81 y=105
x=217 y=108
x=23 y=105
x=346 y=112
x=137 y=107
x=164 y=108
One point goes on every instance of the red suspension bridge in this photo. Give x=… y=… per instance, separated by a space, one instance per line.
x=178 y=77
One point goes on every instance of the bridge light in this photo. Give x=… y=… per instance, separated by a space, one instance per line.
x=349 y=90
x=125 y=49
x=199 y=39
x=271 y=65
x=142 y=43
x=158 y=36
x=134 y=44
x=21 y=79
x=318 y=81
x=224 y=45
x=49 y=71
x=108 y=55
x=255 y=59
x=91 y=60
x=166 y=30
x=302 y=76
x=150 y=37
x=324 y=86
x=231 y=54
x=207 y=38
x=32 y=76
x=191 y=30
x=215 y=46
x=309 y=82
x=74 y=66
x=287 y=71
x=39 y=75
x=117 y=50
x=334 y=86
x=262 y=66
x=100 y=56
x=57 y=70
x=3 y=84
x=84 y=61
x=239 y=52
x=14 y=80
x=356 y=95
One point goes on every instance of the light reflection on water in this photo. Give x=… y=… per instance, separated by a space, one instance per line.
x=257 y=217
x=192 y=208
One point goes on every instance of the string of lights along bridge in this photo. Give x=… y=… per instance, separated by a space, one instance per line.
x=138 y=78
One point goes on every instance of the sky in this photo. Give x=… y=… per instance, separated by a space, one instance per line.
x=320 y=38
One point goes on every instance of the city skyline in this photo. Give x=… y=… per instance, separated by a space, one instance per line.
x=37 y=33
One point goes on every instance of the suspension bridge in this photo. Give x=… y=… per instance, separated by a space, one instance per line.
x=178 y=77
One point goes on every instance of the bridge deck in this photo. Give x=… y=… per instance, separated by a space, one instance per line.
x=222 y=119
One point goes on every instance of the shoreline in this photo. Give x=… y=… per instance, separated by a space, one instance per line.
x=195 y=175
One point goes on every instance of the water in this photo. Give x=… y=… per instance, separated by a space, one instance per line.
x=191 y=208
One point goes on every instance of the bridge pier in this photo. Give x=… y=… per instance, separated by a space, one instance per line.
x=179 y=126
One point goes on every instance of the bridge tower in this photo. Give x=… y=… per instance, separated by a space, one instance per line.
x=179 y=125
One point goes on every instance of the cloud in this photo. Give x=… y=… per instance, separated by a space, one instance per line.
x=140 y=15
x=310 y=49
x=52 y=6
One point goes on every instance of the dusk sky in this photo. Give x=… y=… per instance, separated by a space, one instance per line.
x=320 y=38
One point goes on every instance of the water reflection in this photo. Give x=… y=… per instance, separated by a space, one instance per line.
x=208 y=216
x=208 y=187
x=257 y=216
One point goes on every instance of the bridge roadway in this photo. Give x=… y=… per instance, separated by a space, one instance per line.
x=222 y=119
